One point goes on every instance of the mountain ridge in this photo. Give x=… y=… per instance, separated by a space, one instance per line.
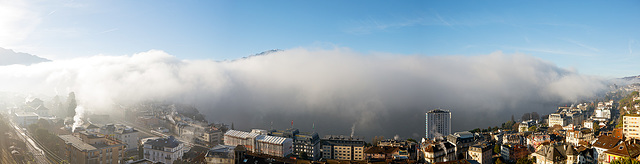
x=10 y=57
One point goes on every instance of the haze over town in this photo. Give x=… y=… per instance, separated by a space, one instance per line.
x=328 y=67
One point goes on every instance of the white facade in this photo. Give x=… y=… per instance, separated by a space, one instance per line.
x=271 y=145
x=588 y=124
x=437 y=123
x=157 y=150
x=556 y=119
x=235 y=138
x=275 y=146
x=481 y=153
x=128 y=137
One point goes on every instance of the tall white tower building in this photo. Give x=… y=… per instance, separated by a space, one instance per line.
x=438 y=123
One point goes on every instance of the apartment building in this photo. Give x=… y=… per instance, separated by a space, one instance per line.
x=631 y=126
x=164 y=150
x=343 y=148
x=85 y=148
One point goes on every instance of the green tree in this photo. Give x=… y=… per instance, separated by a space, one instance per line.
x=625 y=161
x=533 y=128
x=412 y=140
x=499 y=161
x=496 y=149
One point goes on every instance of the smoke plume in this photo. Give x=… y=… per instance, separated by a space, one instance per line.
x=385 y=94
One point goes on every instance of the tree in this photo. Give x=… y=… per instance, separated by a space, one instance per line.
x=596 y=128
x=625 y=161
x=499 y=161
x=524 y=161
x=512 y=119
x=533 y=128
x=412 y=140
x=535 y=116
x=71 y=101
x=496 y=149
x=526 y=116
x=304 y=155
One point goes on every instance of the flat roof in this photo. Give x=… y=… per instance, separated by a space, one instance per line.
x=26 y=114
x=76 y=142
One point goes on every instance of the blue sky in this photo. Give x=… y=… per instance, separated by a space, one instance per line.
x=592 y=37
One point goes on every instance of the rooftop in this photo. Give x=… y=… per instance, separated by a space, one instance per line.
x=274 y=140
x=343 y=138
x=169 y=142
x=240 y=134
x=76 y=142
x=26 y=114
x=438 y=111
x=606 y=142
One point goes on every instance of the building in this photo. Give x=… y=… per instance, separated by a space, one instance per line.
x=220 y=154
x=631 y=126
x=623 y=150
x=438 y=123
x=555 y=153
x=381 y=153
x=25 y=118
x=602 y=144
x=213 y=136
x=535 y=140
x=257 y=143
x=309 y=143
x=525 y=125
x=235 y=138
x=481 y=153
x=461 y=141
x=557 y=119
x=438 y=151
x=84 y=148
x=274 y=146
x=512 y=153
x=513 y=139
x=126 y=134
x=588 y=124
x=164 y=150
x=575 y=136
x=343 y=148
x=42 y=111
x=393 y=143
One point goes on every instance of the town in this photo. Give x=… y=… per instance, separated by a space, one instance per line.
x=601 y=131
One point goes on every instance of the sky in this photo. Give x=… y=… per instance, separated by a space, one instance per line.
x=591 y=37
x=371 y=65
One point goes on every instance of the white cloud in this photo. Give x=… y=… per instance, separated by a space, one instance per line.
x=329 y=87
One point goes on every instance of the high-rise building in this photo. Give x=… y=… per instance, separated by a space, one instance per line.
x=631 y=126
x=438 y=123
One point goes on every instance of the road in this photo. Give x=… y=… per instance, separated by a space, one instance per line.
x=34 y=149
